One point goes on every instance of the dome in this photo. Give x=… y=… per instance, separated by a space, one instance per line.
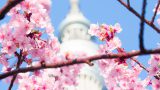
x=75 y=38
x=73 y=22
x=72 y=18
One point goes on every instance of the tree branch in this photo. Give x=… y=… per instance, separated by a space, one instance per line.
x=136 y=61
x=12 y=81
x=79 y=61
x=17 y=67
x=141 y=41
x=139 y=16
x=128 y=2
x=9 y=5
x=156 y=76
x=156 y=10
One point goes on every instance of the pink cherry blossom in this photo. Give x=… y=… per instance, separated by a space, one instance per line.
x=154 y=65
x=156 y=84
x=104 y=31
x=3 y=60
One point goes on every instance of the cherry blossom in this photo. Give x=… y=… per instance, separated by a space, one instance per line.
x=156 y=84
x=104 y=31
x=154 y=65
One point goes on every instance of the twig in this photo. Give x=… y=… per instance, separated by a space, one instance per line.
x=156 y=10
x=139 y=16
x=128 y=2
x=9 y=5
x=141 y=41
x=156 y=76
x=139 y=64
x=79 y=61
x=17 y=67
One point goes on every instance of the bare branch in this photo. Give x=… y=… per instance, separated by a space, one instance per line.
x=9 y=5
x=156 y=10
x=79 y=61
x=128 y=2
x=141 y=41
x=17 y=67
x=142 y=66
x=136 y=61
x=12 y=81
x=139 y=16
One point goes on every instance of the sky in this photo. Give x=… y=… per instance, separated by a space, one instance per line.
x=109 y=12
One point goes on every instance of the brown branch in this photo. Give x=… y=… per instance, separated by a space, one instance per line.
x=156 y=76
x=128 y=2
x=141 y=41
x=139 y=16
x=133 y=59
x=17 y=67
x=12 y=81
x=9 y=5
x=156 y=10
x=139 y=64
x=79 y=61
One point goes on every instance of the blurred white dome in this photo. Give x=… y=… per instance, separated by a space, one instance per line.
x=75 y=38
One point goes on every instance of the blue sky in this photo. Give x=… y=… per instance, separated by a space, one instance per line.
x=109 y=12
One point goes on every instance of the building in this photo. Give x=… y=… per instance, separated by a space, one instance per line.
x=75 y=38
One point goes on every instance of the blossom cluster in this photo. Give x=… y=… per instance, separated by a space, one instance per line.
x=122 y=74
x=30 y=31
x=117 y=73
x=121 y=77
x=104 y=31
x=52 y=79
x=25 y=31
x=154 y=70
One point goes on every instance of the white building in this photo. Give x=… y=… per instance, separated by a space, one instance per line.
x=75 y=38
